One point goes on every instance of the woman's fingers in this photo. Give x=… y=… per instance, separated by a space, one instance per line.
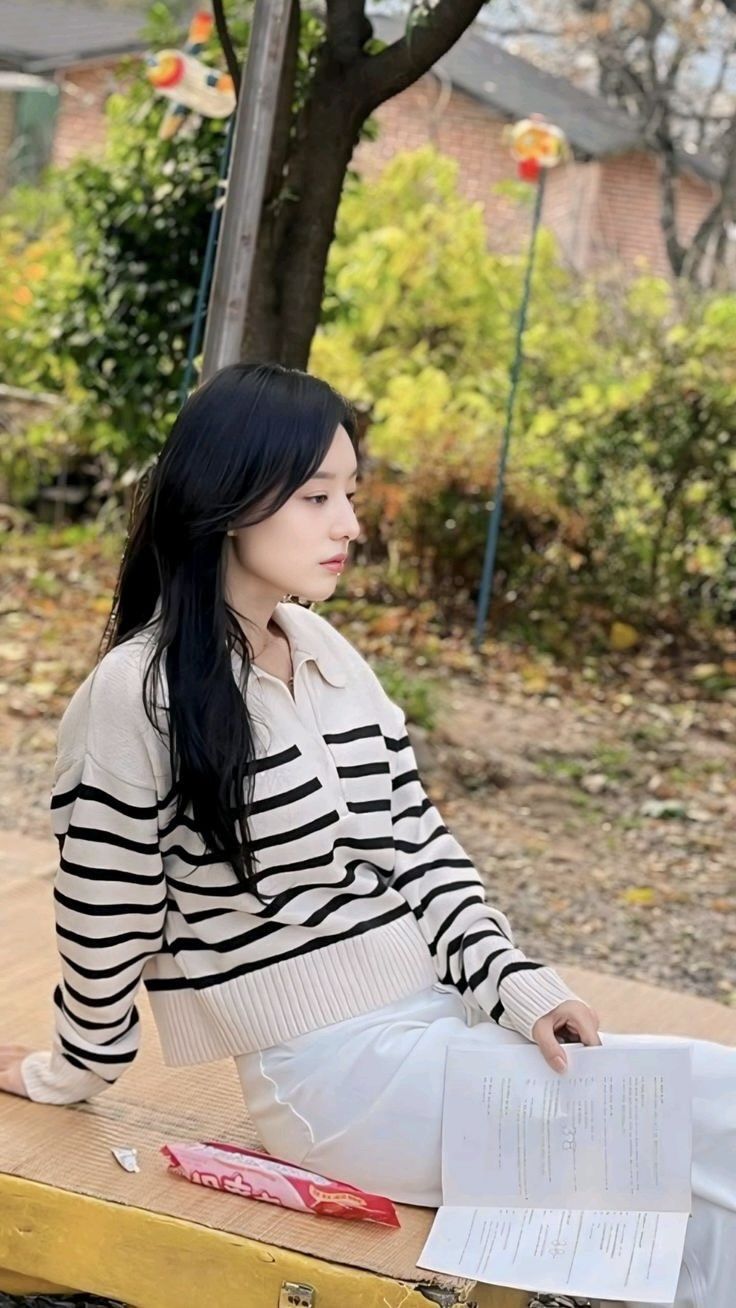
x=573 y=1016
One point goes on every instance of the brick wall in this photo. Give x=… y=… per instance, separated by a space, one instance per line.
x=428 y=113
x=7 y=132
x=602 y=213
x=628 y=223
x=81 y=122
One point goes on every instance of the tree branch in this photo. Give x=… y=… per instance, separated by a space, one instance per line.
x=668 y=181
x=386 y=74
x=348 y=29
x=223 y=31
x=524 y=30
x=722 y=211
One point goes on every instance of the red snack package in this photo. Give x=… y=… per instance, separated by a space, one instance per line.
x=261 y=1176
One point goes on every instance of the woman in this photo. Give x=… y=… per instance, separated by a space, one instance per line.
x=242 y=826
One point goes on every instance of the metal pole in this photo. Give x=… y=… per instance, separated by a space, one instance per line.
x=254 y=120
x=494 y=521
x=200 y=307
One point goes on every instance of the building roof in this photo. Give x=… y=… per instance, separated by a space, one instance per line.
x=39 y=36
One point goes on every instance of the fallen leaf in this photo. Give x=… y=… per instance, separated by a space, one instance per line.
x=622 y=636
x=639 y=895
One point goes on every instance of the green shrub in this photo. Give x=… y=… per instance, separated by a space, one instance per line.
x=621 y=479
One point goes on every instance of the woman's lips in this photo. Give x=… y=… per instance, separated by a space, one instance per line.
x=337 y=566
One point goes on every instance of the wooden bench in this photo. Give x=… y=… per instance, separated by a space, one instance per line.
x=71 y=1217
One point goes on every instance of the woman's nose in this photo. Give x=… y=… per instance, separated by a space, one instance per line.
x=348 y=526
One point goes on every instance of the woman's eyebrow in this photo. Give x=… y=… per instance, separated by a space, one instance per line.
x=330 y=476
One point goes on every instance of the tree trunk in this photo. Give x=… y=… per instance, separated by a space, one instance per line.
x=298 y=226
x=309 y=159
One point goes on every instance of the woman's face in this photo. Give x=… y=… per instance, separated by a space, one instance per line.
x=286 y=553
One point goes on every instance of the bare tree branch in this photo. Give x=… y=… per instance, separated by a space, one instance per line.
x=424 y=42
x=715 y=89
x=722 y=212
x=668 y=209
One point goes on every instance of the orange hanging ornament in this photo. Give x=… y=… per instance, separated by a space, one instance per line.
x=535 y=144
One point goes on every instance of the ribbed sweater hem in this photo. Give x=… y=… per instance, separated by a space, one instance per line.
x=290 y=998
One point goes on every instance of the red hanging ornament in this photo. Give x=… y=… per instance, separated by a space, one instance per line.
x=535 y=144
x=529 y=169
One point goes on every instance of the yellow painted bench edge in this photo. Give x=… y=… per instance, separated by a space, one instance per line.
x=150 y=1260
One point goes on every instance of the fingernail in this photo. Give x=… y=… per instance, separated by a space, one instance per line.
x=559 y=1063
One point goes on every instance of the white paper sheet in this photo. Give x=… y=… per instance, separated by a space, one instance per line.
x=628 y=1255
x=577 y=1182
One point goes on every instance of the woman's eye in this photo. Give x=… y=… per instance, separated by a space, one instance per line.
x=319 y=499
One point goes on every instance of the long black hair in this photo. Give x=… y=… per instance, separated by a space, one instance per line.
x=242 y=444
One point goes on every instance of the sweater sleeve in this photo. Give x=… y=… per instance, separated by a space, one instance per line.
x=110 y=907
x=470 y=940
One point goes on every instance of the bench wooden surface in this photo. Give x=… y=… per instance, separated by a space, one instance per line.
x=69 y=1215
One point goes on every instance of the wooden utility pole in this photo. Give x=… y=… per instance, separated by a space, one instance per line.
x=254 y=119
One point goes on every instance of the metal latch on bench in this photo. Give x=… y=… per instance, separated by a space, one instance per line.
x=295 y=1295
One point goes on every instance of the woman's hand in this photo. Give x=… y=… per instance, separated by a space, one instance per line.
x=573 y=1021
x=11 y=1057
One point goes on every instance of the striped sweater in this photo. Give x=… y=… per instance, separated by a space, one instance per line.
x=367 y=896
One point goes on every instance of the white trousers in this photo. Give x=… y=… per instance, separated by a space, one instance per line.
x=362 y=1101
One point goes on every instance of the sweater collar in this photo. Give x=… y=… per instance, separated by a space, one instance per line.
x=309 y=643
x=305 y=645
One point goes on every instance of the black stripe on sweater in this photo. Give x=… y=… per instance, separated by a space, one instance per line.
x=447 y=888
x=412 y=847
x=133 y=1022
x=83 y=1068
x=84 y=791
x=363 y=770
x=404 y=778
x=105 y=1001
x=286 y=796
x=274 y=760
x=69 y=1048
x=243 y=969
x=105 y=942
x=321 y=914
x=370 y=806
x=296 y=834
x=87 y=908
x=473 y=901
x=105 y=837
x=111 y=874
x=481 y=975
x=357 y=733
x=397 y=745
x=97 y=973
x=417 y=810
x=81 y=1021
x=419 y=870
x=526 y=965
x=97 y=796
